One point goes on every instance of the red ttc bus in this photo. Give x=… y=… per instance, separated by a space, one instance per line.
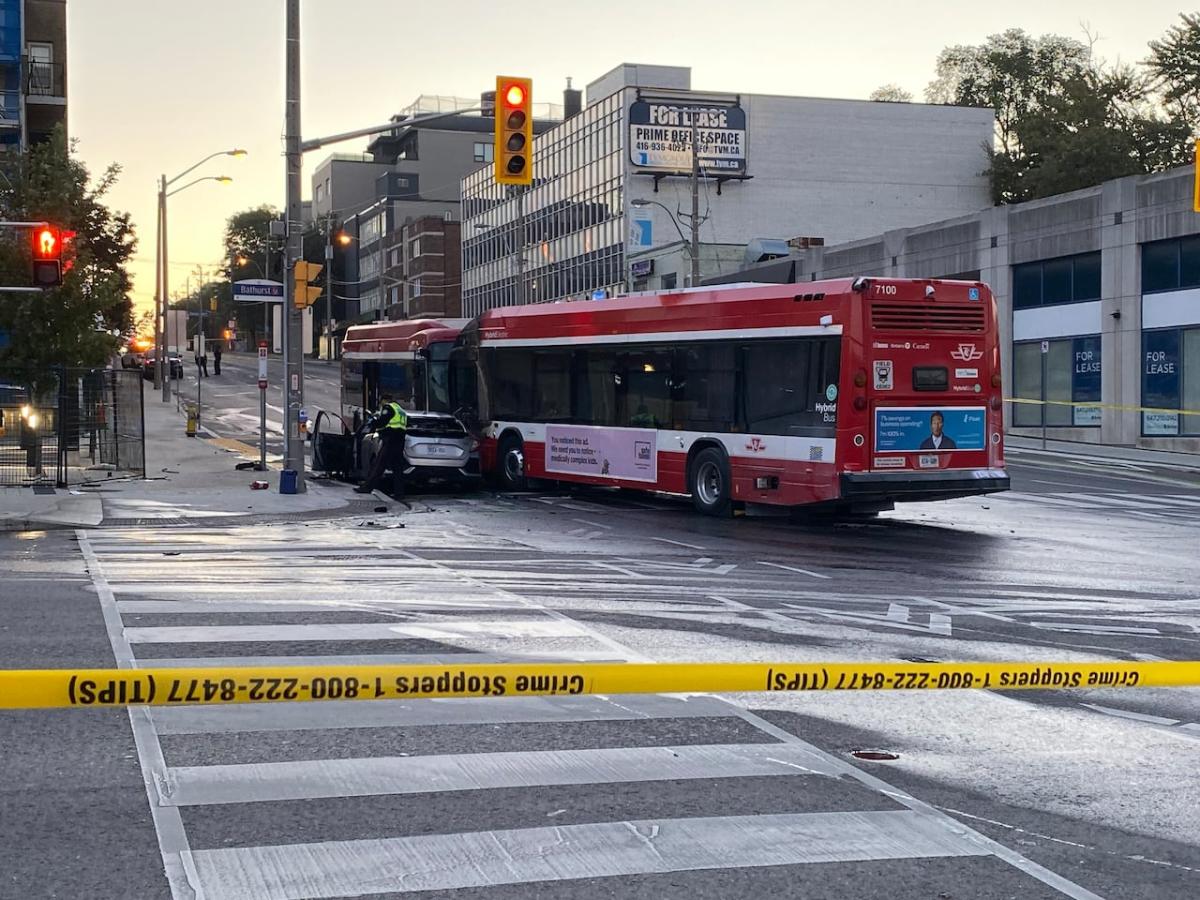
x=851 y=393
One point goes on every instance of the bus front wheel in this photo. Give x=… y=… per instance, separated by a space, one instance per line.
x=512 y=464
x=711 y=484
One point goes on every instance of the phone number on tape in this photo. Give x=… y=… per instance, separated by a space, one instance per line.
x=148 y=689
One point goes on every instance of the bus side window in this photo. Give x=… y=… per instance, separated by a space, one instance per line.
x=704 y=387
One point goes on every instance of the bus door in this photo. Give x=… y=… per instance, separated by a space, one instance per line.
x=789 y=394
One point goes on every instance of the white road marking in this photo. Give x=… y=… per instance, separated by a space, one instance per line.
x=594 y=524
x=222 y=634
x=607 y=849
x=412 y=713
x=796 y=569
x=1087 y=628
x=168 y=823
x=1128 y=714
x=324 y=778
x=889 y=620
x=677 y=543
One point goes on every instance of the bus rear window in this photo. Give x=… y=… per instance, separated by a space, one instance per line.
x=930 y=378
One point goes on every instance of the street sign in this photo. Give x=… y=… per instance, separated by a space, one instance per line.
x=257 y=290
x=1045 y=346
x=262 y=365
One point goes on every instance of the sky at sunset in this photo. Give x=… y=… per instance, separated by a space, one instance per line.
x=156 y=85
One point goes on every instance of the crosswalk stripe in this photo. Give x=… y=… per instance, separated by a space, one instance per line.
x=157 y=607
x=486 y=858
x=324 y=778
x=377 y=659
x=232 y=634
x=408 y=714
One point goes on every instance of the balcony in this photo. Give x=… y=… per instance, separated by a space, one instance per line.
x=44 y=82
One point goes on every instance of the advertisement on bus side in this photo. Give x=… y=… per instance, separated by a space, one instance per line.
x=629 y=454
x=930 y=428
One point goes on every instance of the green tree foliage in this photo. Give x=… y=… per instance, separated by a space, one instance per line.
x=1174 y=66
x=1064 y=120
x=83 y=322
x=247 y=237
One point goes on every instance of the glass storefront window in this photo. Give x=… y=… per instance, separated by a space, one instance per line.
x=1160 y=382
x=1171 y=381
x=1191 y=381
x=1073 y=372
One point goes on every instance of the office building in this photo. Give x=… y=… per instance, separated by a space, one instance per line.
x=1098 y=293
x=612 y=184
x=33 y=70
x=405 y=189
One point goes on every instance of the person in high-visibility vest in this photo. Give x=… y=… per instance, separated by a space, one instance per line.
x=391 y=423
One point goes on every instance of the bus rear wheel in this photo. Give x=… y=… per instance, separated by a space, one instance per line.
x=512 y=464
x=711 y=484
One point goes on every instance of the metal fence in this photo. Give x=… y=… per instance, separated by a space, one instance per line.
x=71 y=426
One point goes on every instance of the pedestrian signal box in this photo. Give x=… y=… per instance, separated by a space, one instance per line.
x=47 y=256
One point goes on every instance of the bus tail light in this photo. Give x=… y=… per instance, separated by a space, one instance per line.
x=860 y=403
x=995 y=379
x=996 y=402
x=860 y=378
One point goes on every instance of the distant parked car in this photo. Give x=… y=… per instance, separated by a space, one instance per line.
x=174 y=362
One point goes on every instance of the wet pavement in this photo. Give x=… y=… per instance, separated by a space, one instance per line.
x=1058 y=794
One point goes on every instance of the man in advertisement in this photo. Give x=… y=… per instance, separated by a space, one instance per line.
x=937 y=440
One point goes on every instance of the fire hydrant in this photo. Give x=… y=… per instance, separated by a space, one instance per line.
x=193 y=419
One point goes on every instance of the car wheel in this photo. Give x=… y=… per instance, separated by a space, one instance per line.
x=710 y=483
x=512 y=464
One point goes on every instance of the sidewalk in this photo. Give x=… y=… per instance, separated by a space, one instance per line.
x=1102 y=452
x=186 y=479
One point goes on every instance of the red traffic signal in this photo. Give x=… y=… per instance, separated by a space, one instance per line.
x=47 y=256
x=514 y=131
x=46 y=244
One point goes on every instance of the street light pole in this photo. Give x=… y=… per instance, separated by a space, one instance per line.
x=159 y=304
x=695 y=204
x=293 y=352
x=161 y=279
x=162 y=214
x=328 y=287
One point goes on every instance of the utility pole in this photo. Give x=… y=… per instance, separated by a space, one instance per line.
x=159 y=301
x=201 y=349
x=520 y=245
x=293 y=351
x=695 y=204
x=328 y=286
x=162 y=213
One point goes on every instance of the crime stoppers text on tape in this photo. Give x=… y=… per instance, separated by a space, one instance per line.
x=26 y=689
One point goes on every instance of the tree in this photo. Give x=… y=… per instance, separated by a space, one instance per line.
x=1174 y=66
x=83 y=322
x=1064 y=120
x=248 y=236
x=1012 y=73
x=891 y=93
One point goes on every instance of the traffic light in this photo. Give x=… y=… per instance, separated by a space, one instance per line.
x=303 y=294
x=47 y=256
x=514 y=131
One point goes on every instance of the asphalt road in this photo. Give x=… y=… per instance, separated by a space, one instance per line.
x=230 y=400
x=1074 y=794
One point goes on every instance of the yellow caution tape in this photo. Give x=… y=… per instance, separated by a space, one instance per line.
x=1099 y=405
x=27 y=689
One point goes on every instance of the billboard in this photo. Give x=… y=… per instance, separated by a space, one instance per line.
x=630 y=454
x=902 y=429
x=660 y=136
